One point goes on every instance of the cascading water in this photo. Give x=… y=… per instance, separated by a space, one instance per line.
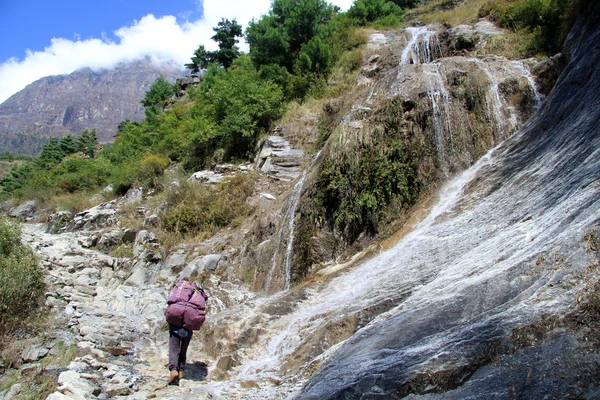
x=419 y=49
x=493 y=99
x=440 y=105
x=290 y=217
x=532 y=84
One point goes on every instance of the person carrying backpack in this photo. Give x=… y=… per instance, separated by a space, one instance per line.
x=185 y=313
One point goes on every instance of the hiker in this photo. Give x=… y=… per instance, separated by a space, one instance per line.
x=179 y=340
x=185 y=313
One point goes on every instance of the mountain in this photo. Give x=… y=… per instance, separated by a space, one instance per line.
x=85 y=99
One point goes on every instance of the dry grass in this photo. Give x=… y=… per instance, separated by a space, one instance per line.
x=75 y=202
x=447 y=12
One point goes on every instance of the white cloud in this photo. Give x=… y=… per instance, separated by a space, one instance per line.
x=164 y=39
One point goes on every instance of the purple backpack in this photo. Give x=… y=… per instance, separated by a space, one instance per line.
x=186 y=306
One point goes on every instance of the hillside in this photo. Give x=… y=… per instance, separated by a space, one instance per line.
x=85 y=99
x=424 y=223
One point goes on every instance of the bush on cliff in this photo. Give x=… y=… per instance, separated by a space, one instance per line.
x=21 y=280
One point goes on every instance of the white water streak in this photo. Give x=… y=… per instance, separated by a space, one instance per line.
x=418 y=50
x=532 y=84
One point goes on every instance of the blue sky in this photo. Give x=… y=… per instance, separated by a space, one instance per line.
x=41 y=37
x=30 y=24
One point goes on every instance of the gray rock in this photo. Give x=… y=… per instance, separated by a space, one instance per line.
x=31 y=369
x=78 y=366
x=278 y=159
x=133 y=195
x=97 y=217
x=207 y=177
x=201 y=265
x=59 y=221
x=34 y=353
x=129 y=235
x=110 y=238
x=152 y=220
x=71 y=382
x=24 y=211
x=13 y=392
x=176 y=260
x=116 y=389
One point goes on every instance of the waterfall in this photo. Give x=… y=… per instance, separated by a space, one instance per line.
x=440 y=105
x=372 y=282
x=290 y=216
x=532 y=84
x=419 y=50
x=493 y=98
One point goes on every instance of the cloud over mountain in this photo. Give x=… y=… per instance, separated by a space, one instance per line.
x=164 y=39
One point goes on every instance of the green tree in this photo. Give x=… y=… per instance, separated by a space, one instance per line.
x=406 y=3
x=226 y=35
x=156 y=97
x=87 y=142
x=200 y=60
x=51 y=154
x=278 y=37
x=68 y=145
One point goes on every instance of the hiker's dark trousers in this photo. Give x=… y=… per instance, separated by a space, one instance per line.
x=178 y=350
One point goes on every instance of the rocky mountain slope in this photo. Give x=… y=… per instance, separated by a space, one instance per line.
x=488 y=290
x=84 y=99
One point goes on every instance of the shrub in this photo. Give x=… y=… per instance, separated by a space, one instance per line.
x=365 y=11
x=547 y=20
x=151 y=167
x=21 y=279
x=194 y=208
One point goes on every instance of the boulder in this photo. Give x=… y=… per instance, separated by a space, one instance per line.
x=31 y=369
x=34 y=353
x=201 y=265
x=207 y=177
x=24 y=211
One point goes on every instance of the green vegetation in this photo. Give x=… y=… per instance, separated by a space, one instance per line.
x=156 y=97
x=227 y=33
x=545 y=22
x=380 y=11
x=195 y=210
x=21 y=280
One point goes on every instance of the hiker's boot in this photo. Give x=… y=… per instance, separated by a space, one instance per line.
x=173 y=377
x=180 y=374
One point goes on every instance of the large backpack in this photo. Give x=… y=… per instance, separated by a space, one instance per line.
x=186 y=306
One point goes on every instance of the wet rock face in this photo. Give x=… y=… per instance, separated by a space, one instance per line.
x=485 y=277
x=417 y=98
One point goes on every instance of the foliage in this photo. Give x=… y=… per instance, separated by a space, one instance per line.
x=242 y=107
x=193 y=208
x=87 y=142
x=156 y=97
x=151 y=167
x=7 y=156
x=407 y=3
x=21 y=278
x=366 y=11
x=548 y=20
x=278 y=37
x=355 y=192
x=226 y=36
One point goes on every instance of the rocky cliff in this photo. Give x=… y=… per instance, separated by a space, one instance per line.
x=84 y=99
